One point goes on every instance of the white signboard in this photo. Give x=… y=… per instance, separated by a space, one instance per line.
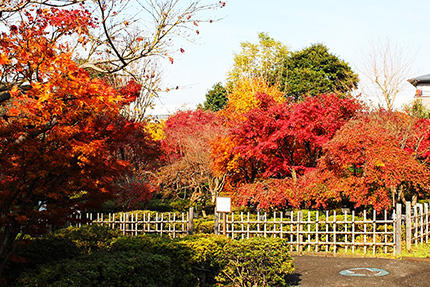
x=223 y=204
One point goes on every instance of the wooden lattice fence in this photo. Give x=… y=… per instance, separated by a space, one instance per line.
x=311 y=231
x=173 y=224
x=316 y=231
x=417 y=225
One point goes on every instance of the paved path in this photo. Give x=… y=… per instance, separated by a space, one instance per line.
x=313 y=271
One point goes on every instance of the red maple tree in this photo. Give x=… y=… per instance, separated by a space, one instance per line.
x=187 y=169
x=375 y=160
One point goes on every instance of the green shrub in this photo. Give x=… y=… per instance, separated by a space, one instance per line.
x=204 y=225
x=88 y=238
x=97 y=256
x=181 y=262
x=248 y=262
x=61 y=245
x=168 y=205
x=206 y=256
x=256 y=262
x=35 y=252
x=121 y=268
x=43 y=250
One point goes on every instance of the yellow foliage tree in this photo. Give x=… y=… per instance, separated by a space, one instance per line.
x=156 y=130
x=242 y=96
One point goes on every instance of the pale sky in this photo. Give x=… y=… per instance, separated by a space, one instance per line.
x=345 y=27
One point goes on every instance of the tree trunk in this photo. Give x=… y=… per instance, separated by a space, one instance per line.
x=414 y=199
x=393 y=194
x=294 y=175
x=402 y=195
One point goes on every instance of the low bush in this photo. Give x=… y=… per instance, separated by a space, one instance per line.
x=206 y=257
x=121 y=268
x=204 y=225
x=256 y=262
x=61 y=245
x=88 y=238
x=96 y=256
x=181 y=262
x=44 y=250
x=168 y=205
x=35 y=252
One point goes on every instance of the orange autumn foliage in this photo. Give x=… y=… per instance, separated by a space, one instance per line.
x=61 y=132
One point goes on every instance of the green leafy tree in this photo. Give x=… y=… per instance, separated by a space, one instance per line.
x=262 y=60
x=311 y=71
x=216 y=98
x=314 y=71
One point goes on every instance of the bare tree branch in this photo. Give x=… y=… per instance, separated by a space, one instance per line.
x=386 y=68
x=9 y=7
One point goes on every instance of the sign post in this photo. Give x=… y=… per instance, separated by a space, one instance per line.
x=223 y=205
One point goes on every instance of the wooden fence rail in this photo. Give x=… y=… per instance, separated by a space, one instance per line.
x=319 y=231
x=417 y=231
x=313 y=231
x=131 y=223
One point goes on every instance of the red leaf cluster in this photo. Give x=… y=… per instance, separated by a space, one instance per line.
x=281 y=139
x=130 y=91
x=186 y=168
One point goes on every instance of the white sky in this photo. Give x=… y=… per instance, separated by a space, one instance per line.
x=345 y=27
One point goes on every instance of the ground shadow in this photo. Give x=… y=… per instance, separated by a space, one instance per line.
x=293 y=279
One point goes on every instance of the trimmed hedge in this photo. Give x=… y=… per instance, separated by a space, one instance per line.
x=256 y=262
x=206 y=257
x=36 y=252
x=180 y=257
x=88 y=238
x=96 y=256
x=123 y=268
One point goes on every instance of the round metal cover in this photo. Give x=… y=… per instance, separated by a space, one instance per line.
x=364 y=272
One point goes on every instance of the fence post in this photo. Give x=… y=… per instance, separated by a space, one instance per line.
x=426 y=213
x=299 y=231
x=190 y=225
x=420 y=206
x=216 y=223
x=408 y=226
x=398 y=234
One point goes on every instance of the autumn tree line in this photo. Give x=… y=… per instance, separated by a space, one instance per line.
x=284 y=131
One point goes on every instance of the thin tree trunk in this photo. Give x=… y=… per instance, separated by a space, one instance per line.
x=414 y=199
x=393 y=194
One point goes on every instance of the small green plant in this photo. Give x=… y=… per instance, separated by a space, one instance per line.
x=420 y=250
x=204 y=225
x=256 y=262
x=206 y=255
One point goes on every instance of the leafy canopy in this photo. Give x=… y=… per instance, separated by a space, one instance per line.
x=377 y=159
x=216 y=98
x=308 y=72
x=279 y=140
x=314 y=71
x=262 y=60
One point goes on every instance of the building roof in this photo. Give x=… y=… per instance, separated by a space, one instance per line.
x=425 y=79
